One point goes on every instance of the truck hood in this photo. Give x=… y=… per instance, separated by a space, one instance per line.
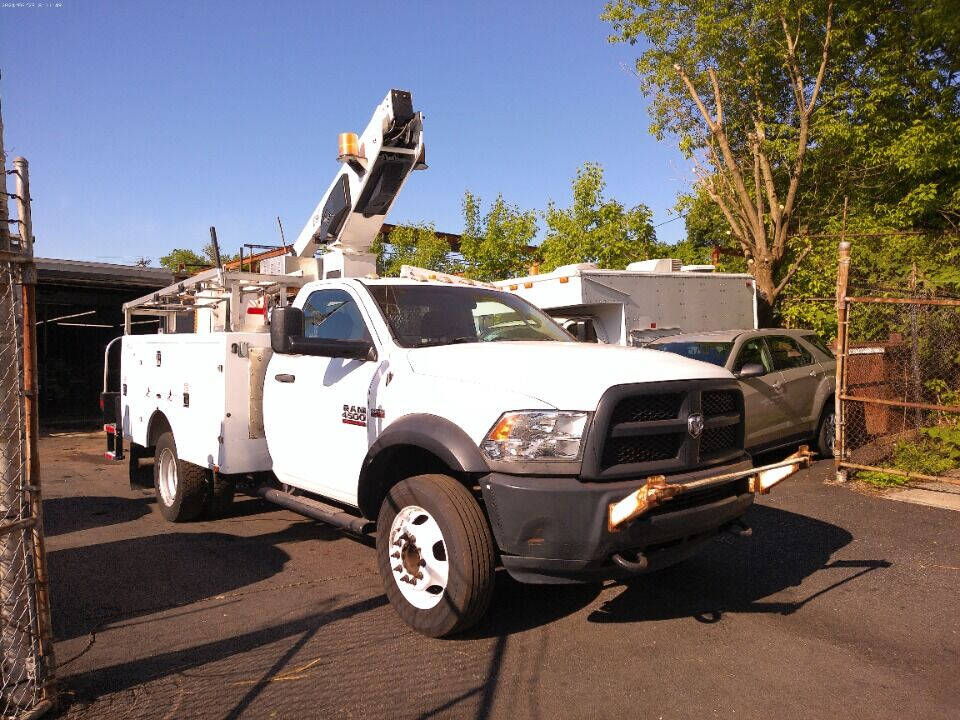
x=568 y=376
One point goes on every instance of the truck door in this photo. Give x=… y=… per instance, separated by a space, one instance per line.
x=801 y=378
x=315 y=408
x=763 y=402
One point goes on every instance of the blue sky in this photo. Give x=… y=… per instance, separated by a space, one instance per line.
x=145 y=123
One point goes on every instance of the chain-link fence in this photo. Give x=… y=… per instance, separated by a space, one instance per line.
x=898 y=379
x=26 y=647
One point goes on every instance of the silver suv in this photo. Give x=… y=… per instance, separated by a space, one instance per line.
x=787 y=377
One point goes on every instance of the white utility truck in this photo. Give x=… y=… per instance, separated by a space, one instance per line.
x=455 y=420
x=647 y=300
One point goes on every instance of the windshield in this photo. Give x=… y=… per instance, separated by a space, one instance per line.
x=711 y=352
x=427 y=315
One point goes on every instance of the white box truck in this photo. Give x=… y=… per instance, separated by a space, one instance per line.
x=457 y=421
x=647 y=300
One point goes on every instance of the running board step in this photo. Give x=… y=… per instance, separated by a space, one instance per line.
x=317 y=510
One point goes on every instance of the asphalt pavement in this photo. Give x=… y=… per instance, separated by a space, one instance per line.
x=842 y=604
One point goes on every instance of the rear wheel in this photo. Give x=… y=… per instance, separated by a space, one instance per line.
x=181 y=487
x=435 y=555
x=827 y=432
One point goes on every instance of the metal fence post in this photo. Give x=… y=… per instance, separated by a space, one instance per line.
x=26 y=651
x=31 y=404
x=15 y=611
x=843 y=275
x=4 y=207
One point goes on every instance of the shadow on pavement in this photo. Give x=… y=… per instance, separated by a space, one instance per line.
x=786 y=548
x=94 y=584
x=140 y=672
x=517 y=607
x=70 y=514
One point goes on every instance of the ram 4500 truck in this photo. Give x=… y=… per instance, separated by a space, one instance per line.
x=457 y=421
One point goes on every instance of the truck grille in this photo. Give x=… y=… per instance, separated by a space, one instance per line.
x=643 y=448
x=719 y=402
x=643 y=429
x=717 y=440
x=644 y=408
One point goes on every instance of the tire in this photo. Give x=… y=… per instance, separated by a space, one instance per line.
x=141 y=476
x=220 y=496
x=826 y=432
x=454 y=588
x=182 y=488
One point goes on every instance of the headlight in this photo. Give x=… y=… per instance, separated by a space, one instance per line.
x=536 y=435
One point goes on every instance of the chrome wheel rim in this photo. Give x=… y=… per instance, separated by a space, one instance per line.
x=418 y=557
x=167 y=477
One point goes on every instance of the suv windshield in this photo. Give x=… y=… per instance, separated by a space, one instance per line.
x=426 y=315
x=711 y=352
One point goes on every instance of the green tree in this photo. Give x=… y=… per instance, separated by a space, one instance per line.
x=187 y=260
x=184 y=260
x=412 y=245
x=496 y=245
x=706 y=228
x=889 y=136
x=596 y=229
x=739 y=84
x=791 y=109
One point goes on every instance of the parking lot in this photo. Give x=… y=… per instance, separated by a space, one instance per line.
x=841 y=604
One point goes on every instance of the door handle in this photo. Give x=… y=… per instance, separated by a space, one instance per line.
x=778 y=386
x=813 y=373
x=285 y=378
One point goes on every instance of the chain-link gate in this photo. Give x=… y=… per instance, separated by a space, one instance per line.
x=26 y=645
x=898 y=379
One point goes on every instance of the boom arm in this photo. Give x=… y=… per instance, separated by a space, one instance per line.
x=375 y=166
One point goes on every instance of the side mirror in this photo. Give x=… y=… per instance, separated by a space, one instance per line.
x=286 y=336
x=286 y=323
x=750 y=370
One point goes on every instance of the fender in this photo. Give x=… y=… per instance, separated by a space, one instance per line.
x=155 y=426
x=440 y=436
x=825 y=399
x=432 y=433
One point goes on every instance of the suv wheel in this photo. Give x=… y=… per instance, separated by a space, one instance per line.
x=435 y=555
x=827 y=433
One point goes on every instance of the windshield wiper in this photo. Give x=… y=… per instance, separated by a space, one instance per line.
x=449 y=341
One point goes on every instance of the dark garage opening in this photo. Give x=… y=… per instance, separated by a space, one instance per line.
x=78 y=312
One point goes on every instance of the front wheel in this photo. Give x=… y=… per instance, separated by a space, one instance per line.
x=827 y=433
x=435 y=555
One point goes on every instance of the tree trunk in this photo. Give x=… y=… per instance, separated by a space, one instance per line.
x=762 y=270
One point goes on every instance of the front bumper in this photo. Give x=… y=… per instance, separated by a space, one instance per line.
x=556 y=529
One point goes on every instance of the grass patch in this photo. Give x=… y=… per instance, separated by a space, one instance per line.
x=881 y=479
x=932 y=451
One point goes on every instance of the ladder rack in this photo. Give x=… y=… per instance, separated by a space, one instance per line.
x=210 y=289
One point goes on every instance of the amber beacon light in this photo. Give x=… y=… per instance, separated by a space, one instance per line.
x=348 y=145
